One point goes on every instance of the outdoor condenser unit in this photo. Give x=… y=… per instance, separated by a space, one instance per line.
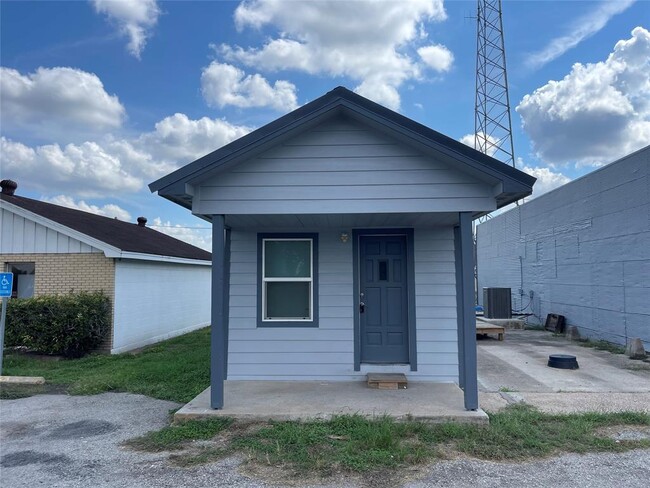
x=497 y=303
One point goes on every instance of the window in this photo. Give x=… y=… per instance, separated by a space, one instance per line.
x=288 y=283
x=24 y=273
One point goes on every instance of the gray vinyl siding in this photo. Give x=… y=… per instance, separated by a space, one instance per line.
x=327 y=352
x=341 y=167
x=583 y=250
x=435 y=305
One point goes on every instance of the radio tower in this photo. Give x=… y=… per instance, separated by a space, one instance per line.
x=492 y=123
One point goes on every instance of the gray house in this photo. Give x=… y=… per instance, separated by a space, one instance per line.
x=342 y=245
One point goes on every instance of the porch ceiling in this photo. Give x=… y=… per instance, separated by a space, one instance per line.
x=341 y=221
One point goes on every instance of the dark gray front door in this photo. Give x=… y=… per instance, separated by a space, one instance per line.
x=383 y=309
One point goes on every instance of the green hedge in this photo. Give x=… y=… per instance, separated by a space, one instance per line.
x=69 y=325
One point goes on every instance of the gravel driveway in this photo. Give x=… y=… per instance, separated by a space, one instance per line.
x=74 y=441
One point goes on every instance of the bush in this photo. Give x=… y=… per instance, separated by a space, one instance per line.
x=69 y=325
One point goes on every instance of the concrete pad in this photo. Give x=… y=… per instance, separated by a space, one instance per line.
x=520 y=364
x=22 y=380
x=588 y=402
x=300 y=400
x=515 y=371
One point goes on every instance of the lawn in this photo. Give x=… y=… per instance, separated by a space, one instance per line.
x=177 y=369
x=353 y=444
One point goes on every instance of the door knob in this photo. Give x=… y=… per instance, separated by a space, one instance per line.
x=362 y=307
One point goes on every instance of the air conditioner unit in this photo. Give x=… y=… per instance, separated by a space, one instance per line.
x=497 y=303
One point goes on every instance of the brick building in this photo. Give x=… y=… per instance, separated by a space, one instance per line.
x=57 y=250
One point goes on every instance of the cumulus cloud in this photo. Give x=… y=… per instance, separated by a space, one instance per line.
x=179 y=139
x=134 y=19
x=581 y=29
x=197 y=236
x=365 y=41
x=224 y=84
x=489 y=142
x=437 y=57
x=109 y=210
x=56 y=99
x=598 y=112
x=93 y=168
x=86 y=169
x=547 y=179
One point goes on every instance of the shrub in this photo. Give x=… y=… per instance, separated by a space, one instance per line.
x=69 y=325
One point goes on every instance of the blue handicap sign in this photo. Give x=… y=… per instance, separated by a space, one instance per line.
x=6 y=284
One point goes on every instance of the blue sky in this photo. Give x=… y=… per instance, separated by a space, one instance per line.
x=100 y=98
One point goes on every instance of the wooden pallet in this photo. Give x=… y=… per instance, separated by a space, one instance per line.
x=491 y=329
x=387 y=381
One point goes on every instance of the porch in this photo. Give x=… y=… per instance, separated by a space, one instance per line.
x=293 y=400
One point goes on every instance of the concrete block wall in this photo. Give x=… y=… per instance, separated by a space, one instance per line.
x=582 y=250
x=57 y=274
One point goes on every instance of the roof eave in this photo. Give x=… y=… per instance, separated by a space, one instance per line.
x=339 y=98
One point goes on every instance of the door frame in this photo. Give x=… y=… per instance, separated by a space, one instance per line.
x=410 y=290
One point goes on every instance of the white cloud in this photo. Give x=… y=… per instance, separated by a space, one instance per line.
x=224 y=84
x=365 y=41
x=581 y=29
x=547 y=179
x=56 y=100
x=598 y=112
x=488 y=141
x=437 y=57
x=86 y=169
x=179 y=139
x=109 y=210
x=134 y=19
x=93 y=168
x=197 y=236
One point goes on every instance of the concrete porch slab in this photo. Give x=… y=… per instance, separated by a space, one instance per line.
x=301 y=400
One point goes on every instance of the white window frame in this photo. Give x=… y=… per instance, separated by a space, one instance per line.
x=309 y=279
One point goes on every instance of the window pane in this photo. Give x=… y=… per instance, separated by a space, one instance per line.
x=287 y=259
x=23 y=286
x=287 y=300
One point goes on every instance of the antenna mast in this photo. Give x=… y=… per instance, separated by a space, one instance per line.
x=492 y=122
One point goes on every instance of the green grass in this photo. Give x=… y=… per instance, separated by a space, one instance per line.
x=354 y=444
x=350 y=443
x=177 y=369
x=176 y=437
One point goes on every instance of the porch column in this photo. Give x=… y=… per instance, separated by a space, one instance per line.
x=464 y=257
x=220 y=299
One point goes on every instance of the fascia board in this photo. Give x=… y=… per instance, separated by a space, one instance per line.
x=162 y=259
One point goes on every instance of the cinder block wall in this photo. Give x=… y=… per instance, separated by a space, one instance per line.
x=582 y=251
x=57 y=274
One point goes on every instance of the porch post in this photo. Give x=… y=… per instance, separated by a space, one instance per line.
x=466 y=314
x=458 y=259
x=218 y=330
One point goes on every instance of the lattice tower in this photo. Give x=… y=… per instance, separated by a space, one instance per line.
x=492 y=121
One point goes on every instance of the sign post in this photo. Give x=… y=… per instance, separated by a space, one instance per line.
x=6 y=286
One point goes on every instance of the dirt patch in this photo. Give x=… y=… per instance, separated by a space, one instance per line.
x=15 y=391
x=208 y=451
x=25 y=458
x=624 y=433
x=84 y=428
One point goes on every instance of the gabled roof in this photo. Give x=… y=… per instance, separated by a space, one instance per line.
x=132 y=239
x=516 y=184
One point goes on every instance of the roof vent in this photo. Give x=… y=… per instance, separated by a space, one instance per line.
x=142 y=221
x=8 y=187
